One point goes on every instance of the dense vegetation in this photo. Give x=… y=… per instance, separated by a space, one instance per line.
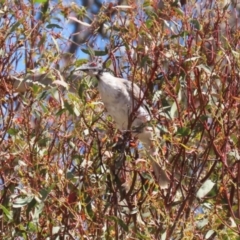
x=67 y=173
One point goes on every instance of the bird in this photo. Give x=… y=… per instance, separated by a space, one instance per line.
x=124 y=101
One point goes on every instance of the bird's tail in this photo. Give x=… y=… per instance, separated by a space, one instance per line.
x=148 y=137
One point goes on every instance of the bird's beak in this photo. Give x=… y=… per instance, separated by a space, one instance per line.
x=83 y=68
x=89 y=67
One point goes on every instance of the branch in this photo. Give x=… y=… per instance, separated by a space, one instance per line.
x=21 y=84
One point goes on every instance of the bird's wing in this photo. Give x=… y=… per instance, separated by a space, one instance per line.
x=137 y=93
x=134 y=90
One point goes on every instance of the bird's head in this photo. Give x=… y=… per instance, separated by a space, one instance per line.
x=91 y=68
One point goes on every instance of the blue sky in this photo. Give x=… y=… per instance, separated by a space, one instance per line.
x=65 y=32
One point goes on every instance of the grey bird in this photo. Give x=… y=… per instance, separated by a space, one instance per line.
x=125 y=103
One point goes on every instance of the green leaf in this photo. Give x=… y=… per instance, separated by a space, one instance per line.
x=22 y=201
x=45 y=8
x=202 y=223
x=89 y=51
x=145 y=60
x=178 y=10
x=164 y=236
x=119 y=222
x=209 y=234
x=143 y=236
x=56 y=44
x=205 y=189
x=37 y=211
x=13 y=28
x=100 y=53
x=94 y=53
x=173 y=110
x=12 y=131
x=30 y=206
x=89 y=210
x=32 y=227
x=6 y=212
x=183 y=131
x=61 y=83
x=150 y=11
x=69 y=107
x=56 y=229
x=108 y=63
x=43 y=141
x=45 y=192
x=35 y=88
x=76 y=111
x=204 y=68
x=149 y=23
x=40 y=1
x=42 y=95
x=196 y=24
x=60 y=112
x=134 y=211
x=70 y=175
x=182 y=34
x=147 y=3
x=192 y=59
x=226 y=6
x=42 y=40
x=81 y=90
x=80 y=62
x=52 y=25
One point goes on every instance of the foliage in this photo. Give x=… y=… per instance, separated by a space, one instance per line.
x=67 y=172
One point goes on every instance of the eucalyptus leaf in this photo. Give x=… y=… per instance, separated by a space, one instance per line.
x=205 y=189
x=53 y=26
x=69 y=107
x=202 y=223
x=209 y=234
x=173 y=110
x=56 y=44
x=7 y=213
x=12 y=131
x=119 y=221
x=40 y=1
x=22 y=201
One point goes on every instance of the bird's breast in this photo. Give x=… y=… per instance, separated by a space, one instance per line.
x=119 y=104
x=116 y=103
